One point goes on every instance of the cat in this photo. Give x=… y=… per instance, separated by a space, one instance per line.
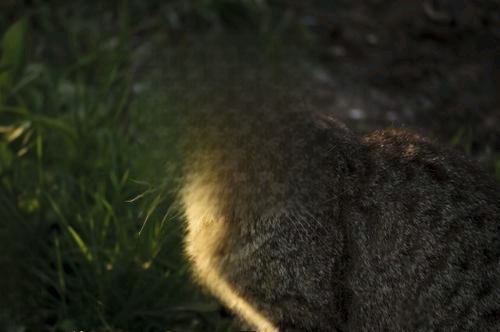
x=295 y=223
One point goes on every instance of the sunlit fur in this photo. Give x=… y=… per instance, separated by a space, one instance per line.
x=206 y=231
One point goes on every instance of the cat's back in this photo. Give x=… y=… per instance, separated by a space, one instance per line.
x=426 y=239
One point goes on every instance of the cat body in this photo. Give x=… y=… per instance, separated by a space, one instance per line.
x=297 y=224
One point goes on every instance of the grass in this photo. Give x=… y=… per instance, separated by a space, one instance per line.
x=88 y=243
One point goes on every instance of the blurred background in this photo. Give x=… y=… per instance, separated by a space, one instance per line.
x=91 y=101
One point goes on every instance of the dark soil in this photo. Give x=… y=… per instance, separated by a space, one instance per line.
x=433 y=66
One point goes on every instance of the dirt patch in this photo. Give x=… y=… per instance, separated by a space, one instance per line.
x=432 y=66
